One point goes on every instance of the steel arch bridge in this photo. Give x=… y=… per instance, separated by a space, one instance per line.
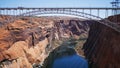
x=89 y=13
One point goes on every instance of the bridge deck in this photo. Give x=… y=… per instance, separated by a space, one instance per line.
x=101 y=8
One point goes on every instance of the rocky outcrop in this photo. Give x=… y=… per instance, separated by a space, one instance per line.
x=102 y=48
x=19 y=53
x=25 y=42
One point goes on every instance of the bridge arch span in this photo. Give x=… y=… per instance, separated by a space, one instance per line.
x=68 y=12
x=74 y=13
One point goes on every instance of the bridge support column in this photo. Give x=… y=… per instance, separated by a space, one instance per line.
x=0 y=12
x=83 y=12
x=106 y=13
x=98 y=12
x=90 y=13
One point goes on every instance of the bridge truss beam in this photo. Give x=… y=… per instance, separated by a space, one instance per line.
x=95 y=11
x=89 y=13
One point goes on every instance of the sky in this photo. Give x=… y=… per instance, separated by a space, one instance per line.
x=55 y=3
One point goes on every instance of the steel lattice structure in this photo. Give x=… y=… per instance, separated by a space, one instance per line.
x=97 y=14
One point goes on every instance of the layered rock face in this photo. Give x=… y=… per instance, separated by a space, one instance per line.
x=102 y=47
x=23 y=42
x=26 y=41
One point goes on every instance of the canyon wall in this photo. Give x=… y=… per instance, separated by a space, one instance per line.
x=102 y=48
x=23 y=42
x=26 y=42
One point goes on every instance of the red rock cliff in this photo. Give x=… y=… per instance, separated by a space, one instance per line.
x=22 y=42
x=102 y=48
